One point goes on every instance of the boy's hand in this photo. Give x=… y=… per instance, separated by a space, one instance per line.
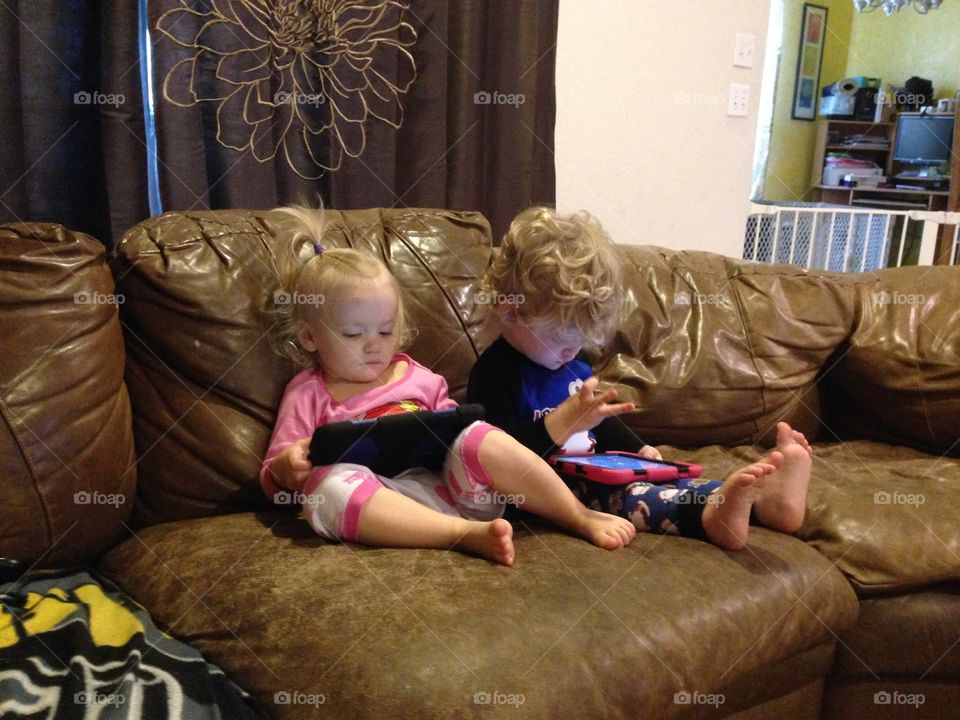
x=583 y=411
x=291 y=468
x=650 y=453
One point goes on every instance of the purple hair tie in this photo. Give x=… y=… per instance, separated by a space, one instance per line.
x=318 y=248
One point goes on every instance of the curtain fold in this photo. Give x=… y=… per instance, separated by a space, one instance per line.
x=71 y=118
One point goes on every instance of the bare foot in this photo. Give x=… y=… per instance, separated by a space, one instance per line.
x=726 y=518
x=491 y=540
x=604 y=530
x=782 y=503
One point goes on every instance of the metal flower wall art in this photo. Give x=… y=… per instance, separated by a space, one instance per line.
x=304 y=77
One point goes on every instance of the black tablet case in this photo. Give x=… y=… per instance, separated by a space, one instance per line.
x=391 y=444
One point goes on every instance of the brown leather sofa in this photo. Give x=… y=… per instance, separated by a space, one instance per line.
x=169 y=405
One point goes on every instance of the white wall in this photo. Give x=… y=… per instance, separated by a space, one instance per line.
x=643 y=140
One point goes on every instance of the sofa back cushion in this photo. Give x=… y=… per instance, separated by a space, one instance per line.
x=716 y=351
x=66 y=448
x=203 y=377
x=897 y=380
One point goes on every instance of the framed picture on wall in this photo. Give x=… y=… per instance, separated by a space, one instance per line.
x=809 y=57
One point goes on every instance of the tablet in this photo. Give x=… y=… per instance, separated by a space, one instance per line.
x=390 y=444
x=620 y=468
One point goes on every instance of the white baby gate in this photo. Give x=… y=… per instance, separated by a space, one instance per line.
x=847 y=239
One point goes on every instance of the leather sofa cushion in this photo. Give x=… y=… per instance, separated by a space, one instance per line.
x=713 y=350
x=927 y=622
x=66 y=448
x=204 y=380
x=890 y=699
x=898 y=379
x=577 y=631
x=886 y=516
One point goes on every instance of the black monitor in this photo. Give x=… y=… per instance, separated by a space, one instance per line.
x=923 y=140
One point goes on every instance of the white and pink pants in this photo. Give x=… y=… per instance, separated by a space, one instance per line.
x=334 y=495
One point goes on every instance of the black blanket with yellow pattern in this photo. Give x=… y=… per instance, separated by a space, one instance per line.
x=73 y=646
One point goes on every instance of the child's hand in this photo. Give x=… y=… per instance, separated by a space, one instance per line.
x=291 y=468
x=650 y=453
x=583 y=411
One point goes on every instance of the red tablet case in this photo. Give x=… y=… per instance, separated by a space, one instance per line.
x=579 y=466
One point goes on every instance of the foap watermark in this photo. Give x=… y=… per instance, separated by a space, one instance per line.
x=297 y=499
x=698 y=298
x=482 y=97
x=685 y=697
x=298 y=98
x=282 y=297
x=699 y=99
x=901 y=97
x=883 y=497
x=898 y=698
x=898 y=298
x=84 y=497
x=690 y=497
x=86 y=297
x=82 y=97
x=492 y=497
x=295 y=697
x=92 y=697
x=486 y=697
x=497 y=298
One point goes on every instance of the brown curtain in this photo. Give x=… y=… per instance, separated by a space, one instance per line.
x=425 y=103
x=71 y=115
x=377 y=103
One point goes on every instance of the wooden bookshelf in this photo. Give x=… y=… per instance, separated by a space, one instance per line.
x=830 y=135
x=944 y=249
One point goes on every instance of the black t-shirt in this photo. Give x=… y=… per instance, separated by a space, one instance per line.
x=517 y=394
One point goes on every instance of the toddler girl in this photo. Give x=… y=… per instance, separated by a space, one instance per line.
x=556 y=282
x=340 y=313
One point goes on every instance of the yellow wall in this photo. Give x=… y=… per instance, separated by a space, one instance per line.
x=791 y=141
x=894 y=48
x=871 y=44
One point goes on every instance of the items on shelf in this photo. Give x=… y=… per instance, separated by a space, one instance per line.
x=837 y=167
x=865 y=141
x=864 y=181
x=916 y=93
x=853 y=97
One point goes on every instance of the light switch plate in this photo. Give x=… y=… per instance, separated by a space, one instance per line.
x=738 y=103
x=744 y=51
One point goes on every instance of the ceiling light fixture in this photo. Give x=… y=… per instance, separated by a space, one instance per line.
x=892 y=6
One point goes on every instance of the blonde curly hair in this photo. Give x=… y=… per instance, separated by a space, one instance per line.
x=308 y=275
x=560 y=270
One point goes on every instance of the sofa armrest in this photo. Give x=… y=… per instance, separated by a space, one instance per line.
x=66 y=444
